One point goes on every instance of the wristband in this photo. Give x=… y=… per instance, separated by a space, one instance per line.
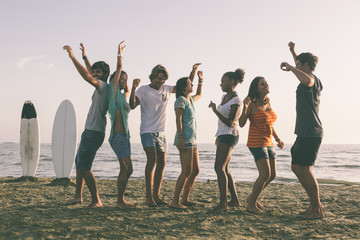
x=119 y=55
x=84 y=57
x=277 y=139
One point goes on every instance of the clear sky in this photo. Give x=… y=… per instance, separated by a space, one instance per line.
x=222 y=35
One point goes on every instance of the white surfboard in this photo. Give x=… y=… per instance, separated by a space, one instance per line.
x=29 y=139
x=63 y=142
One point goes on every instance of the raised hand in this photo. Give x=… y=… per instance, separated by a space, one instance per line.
x=195 y=67
x=200 y=75
x=121 y=47
x=82 y=48
x=247 y=102
x=136 y=82
x=285 y=66
x=212 y=105
x=291 y=46
x=69 y=50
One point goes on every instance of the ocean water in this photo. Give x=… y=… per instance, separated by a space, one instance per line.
x=335 y=163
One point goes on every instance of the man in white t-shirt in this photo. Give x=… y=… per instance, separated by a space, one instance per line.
x=153 y=99
x=94 y=133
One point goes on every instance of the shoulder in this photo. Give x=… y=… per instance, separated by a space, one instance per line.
x=102 y=86
x=236 y=100
x=180 y=102
x=317 y=83
x=168 y=88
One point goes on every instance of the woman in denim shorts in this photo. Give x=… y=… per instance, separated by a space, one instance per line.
x=258 y=110
x=185 y=138
x=227 y=136
x=118 y=110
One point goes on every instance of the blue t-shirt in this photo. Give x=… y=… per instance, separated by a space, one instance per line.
x=188 y=120
x=308 y=123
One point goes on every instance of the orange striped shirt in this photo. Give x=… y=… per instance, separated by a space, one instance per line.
x=261 y=129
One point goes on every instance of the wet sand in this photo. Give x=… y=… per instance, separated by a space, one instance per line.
x=37 y=210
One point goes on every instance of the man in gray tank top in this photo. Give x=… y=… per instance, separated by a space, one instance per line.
x=308 y=128
x=94 y=133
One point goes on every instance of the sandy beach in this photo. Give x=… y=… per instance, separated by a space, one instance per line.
x=37 y=210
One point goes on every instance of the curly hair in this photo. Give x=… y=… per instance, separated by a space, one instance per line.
x=237 y=75
x=309 y=58
x=158 y=69
x=104 y=68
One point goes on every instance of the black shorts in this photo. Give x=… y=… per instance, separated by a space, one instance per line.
x=304 y=151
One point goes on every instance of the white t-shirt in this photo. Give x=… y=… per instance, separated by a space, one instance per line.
x=225 y=111
x=96 y=118
x=153 y=105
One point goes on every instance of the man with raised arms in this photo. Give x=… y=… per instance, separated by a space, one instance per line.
x=308 y=127
x=94 y=133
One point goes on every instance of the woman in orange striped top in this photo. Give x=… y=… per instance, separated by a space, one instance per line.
x=258 y=110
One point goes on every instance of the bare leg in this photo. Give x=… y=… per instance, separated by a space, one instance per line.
x=309 y=182
x=91 y=183
x=186 y=164
x=149 y=174
x=232 y=189
x=79 y=188
x=223 y=153
x=123 y=178
x=158 y=177
x=190 y=181
x=263 y=167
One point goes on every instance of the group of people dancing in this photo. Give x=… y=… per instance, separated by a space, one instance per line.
x=232 y=113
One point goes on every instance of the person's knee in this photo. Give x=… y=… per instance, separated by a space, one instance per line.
x=272 y=177
x=195 y=172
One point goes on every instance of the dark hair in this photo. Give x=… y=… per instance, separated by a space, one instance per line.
x=253 y=93
x=309 y=58
x=104 y=68
x=158 y=69
x=122 y=72
x=237 y=75
x=180 y=86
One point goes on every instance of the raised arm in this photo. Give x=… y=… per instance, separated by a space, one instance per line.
x=193 y=71
x=199 y=87
x=83 y=72
x=246 y=112
x=304 y=78
x=126 y=90
x=233 y=112
x=116 y=77
x=179 y=113
x=134 y=101
x=280 y=143
x=86 y=60
x=292 y=50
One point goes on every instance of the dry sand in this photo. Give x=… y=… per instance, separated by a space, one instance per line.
x=36 y=210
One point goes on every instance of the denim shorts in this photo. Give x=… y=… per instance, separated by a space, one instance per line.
x=228 y=139
x=157 y=140
x=304 y=151
x=263 y=153
x=89 y=144
x=121 y=145
x=189 y=145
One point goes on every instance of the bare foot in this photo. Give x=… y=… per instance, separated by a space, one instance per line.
x=124 y=205
x=234 y=203
x=95 y=205
x=219 y=208
x=177 y=206
x=151 y=203
x=258 y=205
x=254 y=209
x=188 y=203
x=309 y=209
x=159 y=201
x=313 y=215
x=75 y=200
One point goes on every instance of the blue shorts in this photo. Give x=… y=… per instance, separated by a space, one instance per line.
x=157 y=140
x=228 y=139
x=189 y=145
x=90 y=143
x=121 y=145
x=304 y=151
x=263 y=153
